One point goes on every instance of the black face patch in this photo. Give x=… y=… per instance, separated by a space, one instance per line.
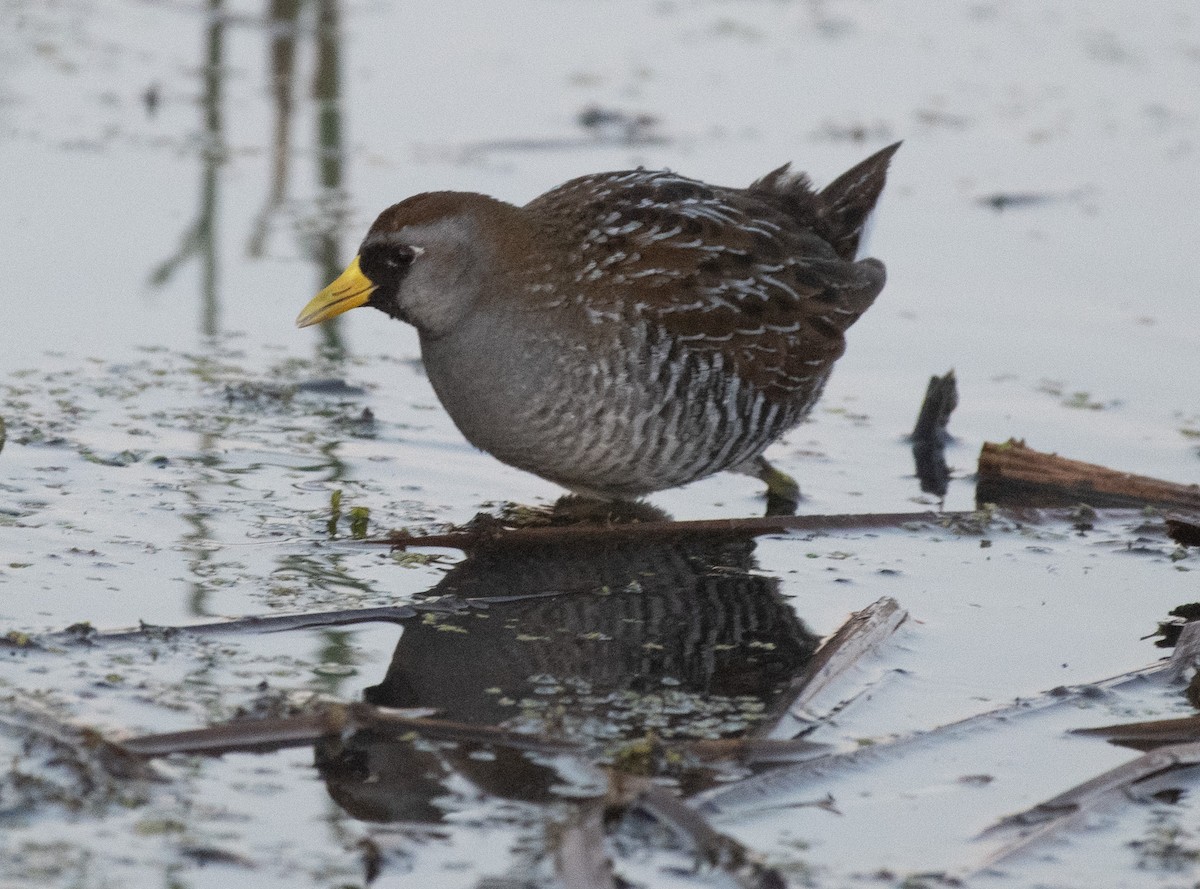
x=385 y=263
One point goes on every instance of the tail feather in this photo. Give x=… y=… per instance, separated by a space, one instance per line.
x=840 y=211
x=845 y=204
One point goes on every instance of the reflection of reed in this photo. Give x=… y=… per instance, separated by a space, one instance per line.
x=198 y=542
x=200 y=238
x=327 y=85
x=200 y=242
x=283 y=19
x=282 y=25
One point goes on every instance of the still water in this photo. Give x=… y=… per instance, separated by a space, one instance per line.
x=181 y=177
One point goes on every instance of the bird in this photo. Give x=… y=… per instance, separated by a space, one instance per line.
x=631 y=331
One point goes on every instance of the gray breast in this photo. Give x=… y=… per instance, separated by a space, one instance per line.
x=616 y=407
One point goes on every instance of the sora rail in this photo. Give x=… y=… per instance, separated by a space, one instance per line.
x=626 y=332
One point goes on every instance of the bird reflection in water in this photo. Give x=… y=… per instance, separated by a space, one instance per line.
x=601 y=641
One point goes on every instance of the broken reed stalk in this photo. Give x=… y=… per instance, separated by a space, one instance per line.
x=861 y=634
x=96 y=762
x=929 y=435
x=580 y=847
x=749 y=792
x=1147 y=736
x=711 y=847
x=1186 y=655
x=1012 y=474
x=1133 y=780
x=1183 y=533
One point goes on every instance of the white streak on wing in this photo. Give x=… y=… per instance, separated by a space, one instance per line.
x=706 y=208
x=613 y=258
x=657 y=234
x=775 y=282
x=699 y=305
x=615 y=230
x=598 y=316
x=759 y=231
x=650 y=273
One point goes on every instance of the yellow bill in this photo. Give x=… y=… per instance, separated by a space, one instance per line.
x=351 y=290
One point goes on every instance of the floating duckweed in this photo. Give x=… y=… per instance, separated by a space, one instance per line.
x=334 y=669
x=414 y=560
x=359 y=516
x=335 y=511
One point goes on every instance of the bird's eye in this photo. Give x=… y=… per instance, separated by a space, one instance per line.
x=385 y=264
x=398 y=257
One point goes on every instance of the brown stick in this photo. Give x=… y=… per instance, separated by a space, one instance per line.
x=1012 y=474
x=334 y=719
x=86 y=634
x=470 y=538
x=1183 y=533
x=749 y=750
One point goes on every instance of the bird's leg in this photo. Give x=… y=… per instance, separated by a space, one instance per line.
x=783 y=494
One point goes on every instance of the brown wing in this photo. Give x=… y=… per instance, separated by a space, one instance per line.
x=736 y=270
